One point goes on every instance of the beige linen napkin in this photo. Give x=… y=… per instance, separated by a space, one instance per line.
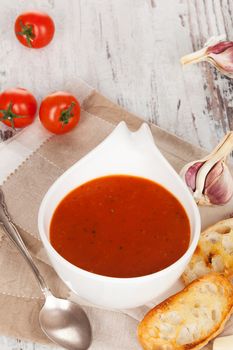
x=20 y=297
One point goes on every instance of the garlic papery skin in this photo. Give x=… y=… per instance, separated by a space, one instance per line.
x=209 y=179
x=220 y=55
x=194 y=57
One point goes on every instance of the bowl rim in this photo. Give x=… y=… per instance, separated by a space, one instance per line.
x=91 y=275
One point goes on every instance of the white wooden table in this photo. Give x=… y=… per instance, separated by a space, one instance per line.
x=129 y=50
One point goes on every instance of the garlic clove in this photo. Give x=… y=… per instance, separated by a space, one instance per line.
x=216 y=190
x=209 y=179
x=190 y=175
x=220 y=55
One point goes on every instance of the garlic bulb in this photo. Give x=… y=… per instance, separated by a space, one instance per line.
x=209 y=179
x=217 y=52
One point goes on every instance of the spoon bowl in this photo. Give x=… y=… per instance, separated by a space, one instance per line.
x=65 y=323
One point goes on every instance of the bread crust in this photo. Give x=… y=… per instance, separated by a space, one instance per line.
x=214 y=252
x=189 y=319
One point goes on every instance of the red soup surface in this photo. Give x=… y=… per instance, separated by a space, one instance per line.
x=120 y=226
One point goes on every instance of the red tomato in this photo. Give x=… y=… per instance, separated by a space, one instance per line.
x=17 y=107
x=34 y=29
x=59 y=112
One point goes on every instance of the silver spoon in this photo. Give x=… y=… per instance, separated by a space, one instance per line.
x=63 y=321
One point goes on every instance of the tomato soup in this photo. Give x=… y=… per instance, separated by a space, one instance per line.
x=120 y=226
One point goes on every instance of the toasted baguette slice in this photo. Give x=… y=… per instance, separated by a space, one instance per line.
x=214 y=252
x=189 y=319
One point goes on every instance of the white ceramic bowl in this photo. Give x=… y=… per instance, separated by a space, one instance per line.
x=122 y=152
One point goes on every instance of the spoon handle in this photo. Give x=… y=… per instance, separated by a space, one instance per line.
x=14 y=235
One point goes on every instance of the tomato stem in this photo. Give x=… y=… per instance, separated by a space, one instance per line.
x=67 y=114
x=7 y=114
x=27 y=32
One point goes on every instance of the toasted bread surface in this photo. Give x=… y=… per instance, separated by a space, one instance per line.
x=189 y=319
x=214 y=252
